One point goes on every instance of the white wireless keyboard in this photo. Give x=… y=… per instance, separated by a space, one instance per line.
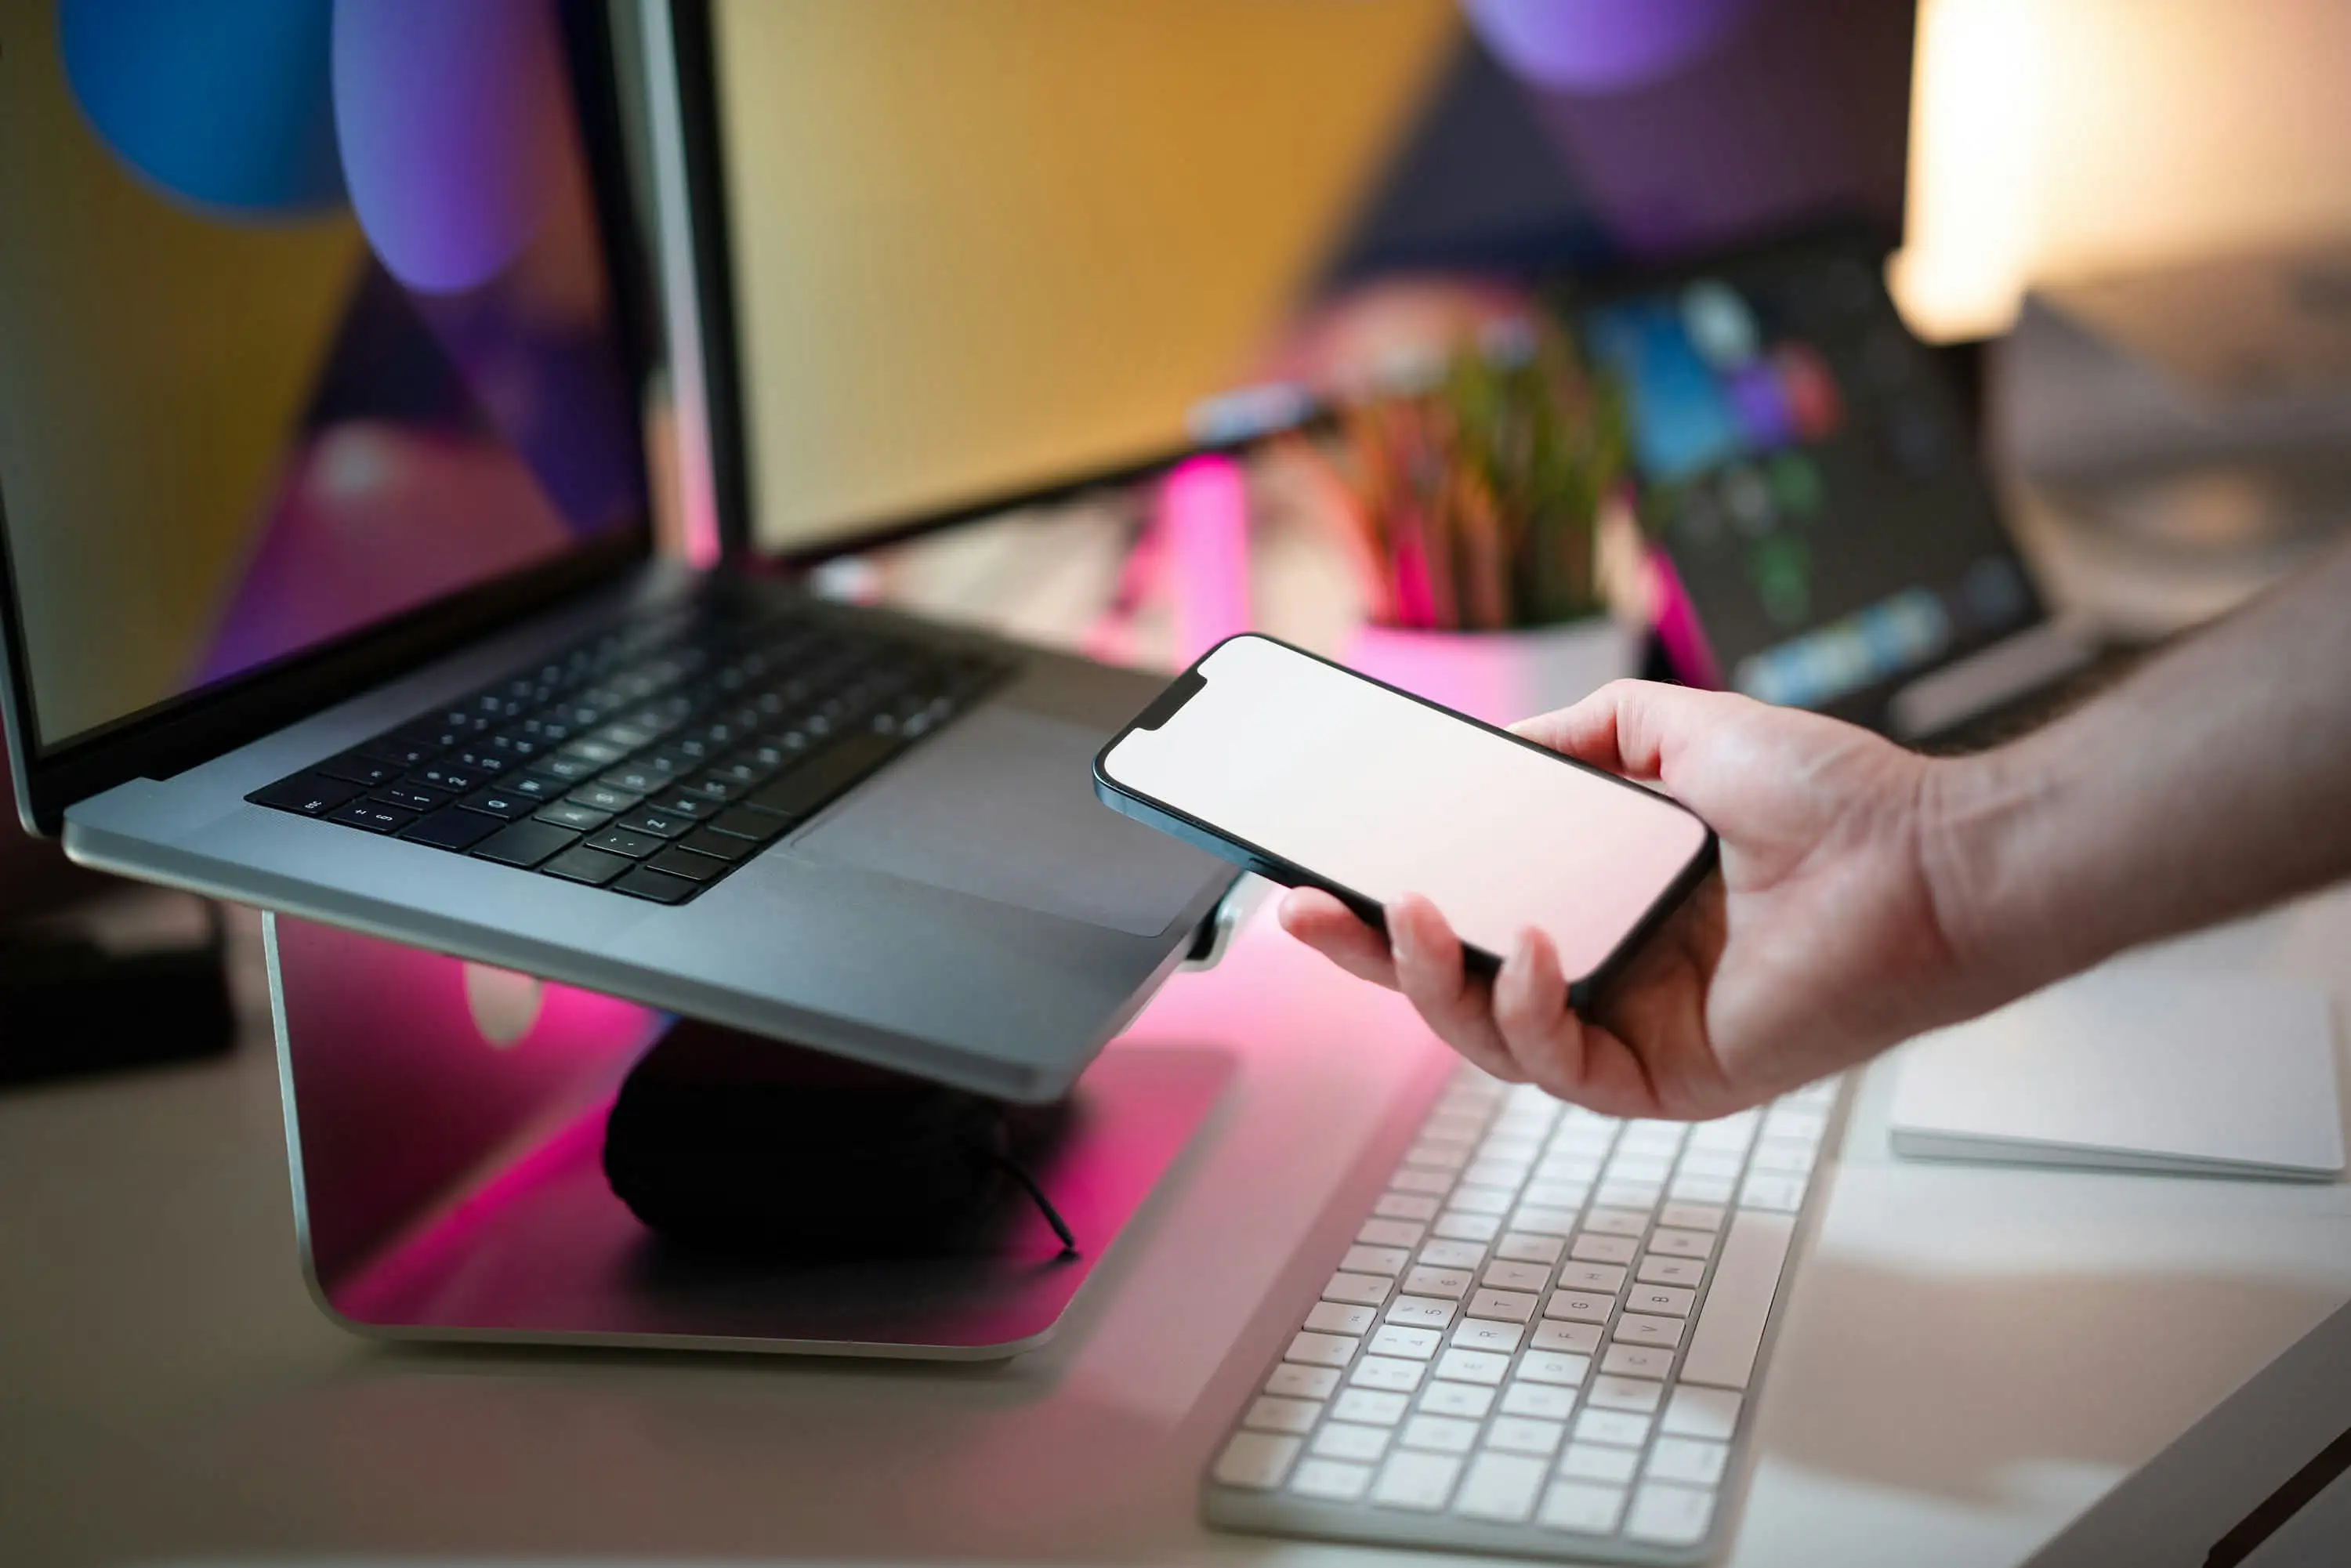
x=1546 y=1338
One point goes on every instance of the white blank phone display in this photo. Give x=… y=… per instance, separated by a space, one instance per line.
x=1384 y=795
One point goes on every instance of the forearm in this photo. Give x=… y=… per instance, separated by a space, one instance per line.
x=2214 y=781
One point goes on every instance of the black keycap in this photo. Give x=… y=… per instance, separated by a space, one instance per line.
x=726 y=846
x=678 y=803
x=621 y=842
x=688 y=865
x=401 y=754
x=603 y=798
x=452 y=830
x=749 y=822
x=571 y=770
x=444 y=776
x=593 y=867
x=537 y=787
x=498 y=801
x=656 y=885
x=410 y=798
x=596 y=753
x=806 y=789
x=526 y=843
x=358 y=770
x=627 y=737
x=571 y=815
x=635 y=778
x=664 y=763
x=656 y=824
x=308 y=793
x=375 y=819
x=744 y=770
x=711 y=787
x=475 y=758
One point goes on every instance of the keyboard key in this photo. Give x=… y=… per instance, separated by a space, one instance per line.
x=605 y=798
x=1516 y=1277
x=748 y=822
x=356 y=769
x=452 y=830
x=1690 y=1460
x=1669 y=1515
x=640 y=778
x=1784 y=1192
x=1691 y=1216
x=1256 y=1461
x=1637 y=1361
x=525 y=843
x=1524 y=1247
x=1435 y=1183
x=311 y=794
x=1605 y=1248
x=1637 y=1396
x=1500 y=1486
x=1623 y=1427
x=401 y=754
x=621 y=842
x=1710 y=1413
x=656 y=824
x=717 y=845
x=1469 y=1401
x=1544 y=1401
x=808 y=788
x=1600 y=1279
x=1576 y=1339
x=1441 y=1156
x=1702 y=1189
x=1375 y=1260
x=1369 y=1406
x=534 y=787
x=1394 y=1373
x=572 y=815
x=1453 y=1254
x=1439 y=1434
x=1555 y=1367
x=1390 y=1233
x=1422 y=1481
x=1524 y=1435
x=1682 y=1244
x=373 y=817
x=1294 y=1382
x=1332 y=1317
x=1457 y=1226
x=687 y=863
x=1510 y=1306
x=1684 y=1272
x=1544 y=1221
x=1333 y=1480
x=1390 y=1339
x=409 y=797
x=1272 y=1413
x=1729 y=1328
x=1483 y=1200
x=1420 y=1312
x=1581 y=1507
x=594 y=867
x=1449 y=1282
x=1321 y=1349
x=1671 y=1300
x=1599 y=1462
x=1616 y=1222
x=1639 y=1195
x=1364 y=1290
x=447 y=778
x=1580 y=1306
x=692 y=806
x=1406 y=1205
x=1473 y=1366
x=1345 y=1440
x=1477 y=1333
x=1648 y=1329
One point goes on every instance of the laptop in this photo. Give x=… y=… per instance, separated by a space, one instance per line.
x=330 y=581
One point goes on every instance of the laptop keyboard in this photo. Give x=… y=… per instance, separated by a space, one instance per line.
x=652 y=759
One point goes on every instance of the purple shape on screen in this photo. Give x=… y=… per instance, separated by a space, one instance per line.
x=449 y=116
x=1760 y=406
x=1601 y=46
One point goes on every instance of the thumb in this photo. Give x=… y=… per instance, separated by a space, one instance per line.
x=1628 y=728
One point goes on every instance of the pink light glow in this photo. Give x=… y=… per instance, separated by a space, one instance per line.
x=1203 y=534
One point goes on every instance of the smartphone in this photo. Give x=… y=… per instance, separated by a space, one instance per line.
x=1311 y=775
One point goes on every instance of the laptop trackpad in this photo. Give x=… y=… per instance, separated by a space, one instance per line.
x=1001 y=805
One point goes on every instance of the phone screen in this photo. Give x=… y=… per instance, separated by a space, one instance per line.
x=1381 y=794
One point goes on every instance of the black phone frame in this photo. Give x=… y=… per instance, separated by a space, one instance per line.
x=1581 y=991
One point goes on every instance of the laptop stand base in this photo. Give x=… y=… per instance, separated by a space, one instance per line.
x=446 y=1127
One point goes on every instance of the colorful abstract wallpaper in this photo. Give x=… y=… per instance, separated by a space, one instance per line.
x=306 y=325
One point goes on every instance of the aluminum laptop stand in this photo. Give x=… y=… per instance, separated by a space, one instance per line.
x=445 y=1126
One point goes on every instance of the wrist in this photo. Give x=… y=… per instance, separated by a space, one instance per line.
x=1994 y=877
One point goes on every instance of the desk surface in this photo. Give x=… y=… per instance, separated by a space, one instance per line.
x=1972 y=1356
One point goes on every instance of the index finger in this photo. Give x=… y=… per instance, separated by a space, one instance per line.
x=1628 y=728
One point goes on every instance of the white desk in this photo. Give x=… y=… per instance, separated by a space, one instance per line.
x=1974 y=1354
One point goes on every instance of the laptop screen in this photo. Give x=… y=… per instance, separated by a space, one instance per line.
x=307 y=325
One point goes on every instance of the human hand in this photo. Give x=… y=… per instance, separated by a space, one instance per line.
x=1817 y=942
